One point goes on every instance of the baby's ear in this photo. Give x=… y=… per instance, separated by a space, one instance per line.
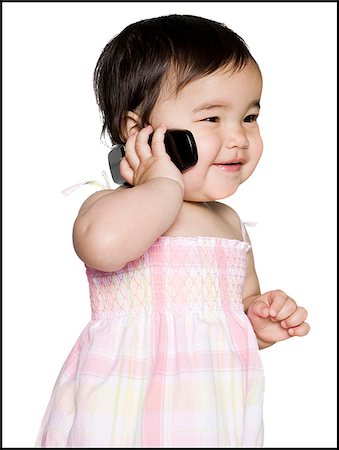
x=132 y=123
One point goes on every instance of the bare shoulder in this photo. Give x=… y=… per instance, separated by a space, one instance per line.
x=231 y=217
x=228 y=214
x=96 y=196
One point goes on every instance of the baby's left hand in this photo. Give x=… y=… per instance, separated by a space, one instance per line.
x=275 y=317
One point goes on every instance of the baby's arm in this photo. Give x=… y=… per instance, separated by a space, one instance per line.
x=274 y=315
x=114 y=227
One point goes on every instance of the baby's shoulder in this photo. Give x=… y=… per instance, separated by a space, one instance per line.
x=229 y=217
x=225 y=212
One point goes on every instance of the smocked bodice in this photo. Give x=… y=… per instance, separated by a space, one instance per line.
x=175 y=274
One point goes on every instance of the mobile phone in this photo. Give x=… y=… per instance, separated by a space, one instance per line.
x=179 y=144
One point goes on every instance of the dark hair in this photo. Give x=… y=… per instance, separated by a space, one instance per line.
x=134 y=64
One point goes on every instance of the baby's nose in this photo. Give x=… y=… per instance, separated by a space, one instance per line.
x=235 y=137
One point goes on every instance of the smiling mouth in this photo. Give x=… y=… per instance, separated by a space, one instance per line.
x=230 y=166
x=232 y=162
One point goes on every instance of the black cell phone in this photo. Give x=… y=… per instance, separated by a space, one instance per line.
x=179 y=144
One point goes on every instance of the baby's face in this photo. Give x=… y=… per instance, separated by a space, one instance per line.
x=220 y=110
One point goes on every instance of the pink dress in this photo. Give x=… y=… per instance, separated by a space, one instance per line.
x=169 y=358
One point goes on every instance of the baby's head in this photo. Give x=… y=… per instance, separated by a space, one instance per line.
x=188 y=73
x=158 y=53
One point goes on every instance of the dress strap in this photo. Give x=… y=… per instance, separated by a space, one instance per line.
x=243 y=228
x=71 y=189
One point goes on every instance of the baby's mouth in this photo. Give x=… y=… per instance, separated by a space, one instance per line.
x=231 y=166
x=232 y=162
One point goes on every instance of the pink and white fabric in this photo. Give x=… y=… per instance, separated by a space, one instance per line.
x=169 y=358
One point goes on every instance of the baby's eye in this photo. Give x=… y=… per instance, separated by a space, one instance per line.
x=211 y=119
x=251 y=118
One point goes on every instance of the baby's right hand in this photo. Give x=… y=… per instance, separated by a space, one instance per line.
x=142 y=163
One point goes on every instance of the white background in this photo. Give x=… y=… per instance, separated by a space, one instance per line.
x=51 y=140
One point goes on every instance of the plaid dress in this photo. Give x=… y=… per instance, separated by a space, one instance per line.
x=169 y=358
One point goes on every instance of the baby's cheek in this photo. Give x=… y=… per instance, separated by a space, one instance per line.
x=248 y=170
x=198 y=173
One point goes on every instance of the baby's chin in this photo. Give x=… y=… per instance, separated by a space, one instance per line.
x=211 y=188
x=217 y=194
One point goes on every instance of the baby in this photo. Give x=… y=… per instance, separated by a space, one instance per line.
x=171 y=357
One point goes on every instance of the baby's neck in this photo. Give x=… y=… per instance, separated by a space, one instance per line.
x=205 y=219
